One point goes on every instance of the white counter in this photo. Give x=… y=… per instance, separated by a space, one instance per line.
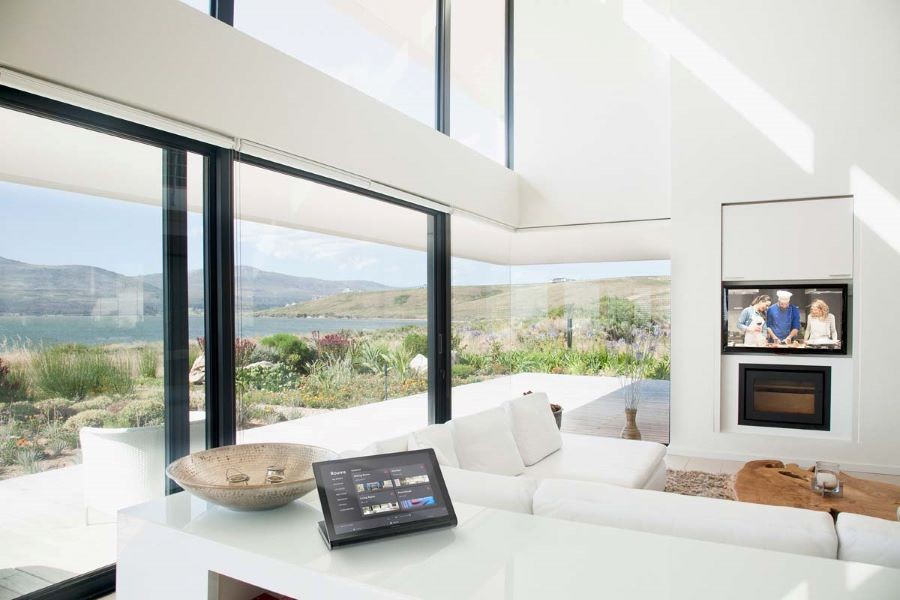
x=169 y=547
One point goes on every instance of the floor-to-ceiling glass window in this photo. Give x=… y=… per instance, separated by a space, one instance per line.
x=477 y=76
x=384 y=49
x=596 y=337
x=82 y=301
x=332 y=313
x=480 y=314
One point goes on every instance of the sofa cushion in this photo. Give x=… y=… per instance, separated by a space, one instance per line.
x=533 y=427
x=486 y=489
x=438 y=437
x=394 y=444
x=628 y=463
x=868 y=539
x=484 y=442
x=779 y=528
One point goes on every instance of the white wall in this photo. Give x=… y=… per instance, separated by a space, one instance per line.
x=774 y=100
x=167 y=58
x=591 y=114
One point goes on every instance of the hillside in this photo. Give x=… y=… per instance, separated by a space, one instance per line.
x=489 y=301
x=79 y=290
x=27 y=289
x=260 y=290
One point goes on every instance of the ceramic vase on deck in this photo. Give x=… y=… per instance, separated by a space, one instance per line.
x=631 y=431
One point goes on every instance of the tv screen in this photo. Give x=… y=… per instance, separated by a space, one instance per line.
x=790 y=318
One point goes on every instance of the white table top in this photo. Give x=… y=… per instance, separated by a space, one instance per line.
x=498 y=554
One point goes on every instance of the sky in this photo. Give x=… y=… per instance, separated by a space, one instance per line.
x=53 y=227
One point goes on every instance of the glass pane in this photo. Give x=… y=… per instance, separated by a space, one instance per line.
x=332 y=314
x=384 y=49
x=81 y=342
x=479 y=308
x=595 y=337
x=477 y=76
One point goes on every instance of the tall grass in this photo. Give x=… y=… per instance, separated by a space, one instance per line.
x=148 y=361
x=76 y=372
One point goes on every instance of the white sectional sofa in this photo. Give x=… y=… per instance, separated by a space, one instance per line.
x=514 y=458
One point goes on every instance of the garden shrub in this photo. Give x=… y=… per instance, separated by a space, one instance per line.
x=416 y=343
x=54 y=409
x=89 y=418
x=56 y=446
x=75 y=371
x=22 y=410
x=620 y=318
x=13 y=384
x=92 y=403
x=8 y=448
x=141 y=413
x=463 y=371
x=29 y=458
x=333 y=345
x=370 y=357
x=290 y=350
x=276 y=378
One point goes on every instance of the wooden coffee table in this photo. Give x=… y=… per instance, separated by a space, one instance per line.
x=773 y=482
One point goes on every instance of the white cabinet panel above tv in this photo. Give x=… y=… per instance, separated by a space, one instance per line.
x=796 y=240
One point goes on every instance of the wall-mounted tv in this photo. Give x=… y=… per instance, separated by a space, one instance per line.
x=789 y=318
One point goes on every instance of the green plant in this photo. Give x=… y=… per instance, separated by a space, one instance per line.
x=620 y=317
x=266 y=414
x=74 y=371
x=276 y=378
x=148 y=361
x=56 y=446
x=463 y=371
x=398 y=360
x=478 y=362
x=142 y=413
x=29 y=458
x=22 y=410
x=55 y=409
x=416 y=343
x=8 y=449
x=92 y=404
x=401 y=299
x=89 y=418
x=291 y=350
x=194 y=352
x=369 y=356
x=327 y=375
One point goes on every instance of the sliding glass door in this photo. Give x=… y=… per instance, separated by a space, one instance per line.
x=332 y=312
x=101 y=304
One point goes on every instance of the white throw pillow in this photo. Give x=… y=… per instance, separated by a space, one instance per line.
x=484 y=442
x=494 y=491
x=533 y=427
x=440 y=439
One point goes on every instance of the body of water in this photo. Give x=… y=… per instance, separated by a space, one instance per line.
x=127 y=330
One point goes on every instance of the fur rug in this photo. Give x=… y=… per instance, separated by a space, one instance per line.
x=698 y=483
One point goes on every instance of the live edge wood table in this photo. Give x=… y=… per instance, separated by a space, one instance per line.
x=773 y=482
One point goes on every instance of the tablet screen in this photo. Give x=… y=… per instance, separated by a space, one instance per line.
x=370 y=496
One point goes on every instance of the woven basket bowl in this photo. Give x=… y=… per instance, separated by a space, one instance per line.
x=205 y=474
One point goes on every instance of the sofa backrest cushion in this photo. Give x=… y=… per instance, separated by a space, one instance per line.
x=440 y=439
x=868 y=539
x=533 y=427
x=394 y=444
x=486 y=489
x=484 y=442
x=781 y=528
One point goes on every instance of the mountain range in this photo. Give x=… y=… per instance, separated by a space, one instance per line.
x=28 y=289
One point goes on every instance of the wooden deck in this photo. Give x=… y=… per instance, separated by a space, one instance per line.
x=605 y=416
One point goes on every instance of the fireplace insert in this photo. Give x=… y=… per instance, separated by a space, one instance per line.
x=792 y=396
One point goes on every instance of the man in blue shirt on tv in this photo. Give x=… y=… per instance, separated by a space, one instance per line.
x=783 y=319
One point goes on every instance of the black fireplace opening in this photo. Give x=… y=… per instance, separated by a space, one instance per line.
x=793 y=396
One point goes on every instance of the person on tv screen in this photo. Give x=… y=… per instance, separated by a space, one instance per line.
x=783 y=319
x=820 y=327
x=752 y=321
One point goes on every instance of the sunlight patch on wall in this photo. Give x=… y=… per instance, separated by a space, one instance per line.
x=876 y=207
x=771 y=118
